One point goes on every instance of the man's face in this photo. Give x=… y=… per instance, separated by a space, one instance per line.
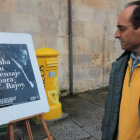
x=22 y=57
x=128 y=36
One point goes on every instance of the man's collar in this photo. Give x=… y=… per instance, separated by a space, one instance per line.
x=133 y=56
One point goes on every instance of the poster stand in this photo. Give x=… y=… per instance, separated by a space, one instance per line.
x=11 y=130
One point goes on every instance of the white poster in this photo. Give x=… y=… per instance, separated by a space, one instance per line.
x=21 y=89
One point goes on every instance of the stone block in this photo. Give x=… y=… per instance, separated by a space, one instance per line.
x=27 y=6
x=109 y=45
x=111 y=19
x=25 y=24
x=119 y=51
x=7 y=5
x=49 y=26
x=98 y=4
x=88 y=84
x=110 y=6
x=66 y=45
x=112 y=30
x=85 y=14
x=100 y=17
x=93 y=71
x=56 y=1
x=106 y=70
x=63 y=77
x=64 y=2
x=97 y=59
x=97 y=83
x=74 y=13
x=7 y=1
x=105 y=81
x=93 y=30
x=64 y=27
x=109 y=41
x=60 y=61
x=76 y=86
x=97 y=31
x=39 y=41
x=109 y=58
x=98 y=45
x=5 y=22
x=77 y=3
x=76 y=72
x=74 y=60
x=121 y=4
x=89 y=30
x=78 y=29
x=49 y=9
x=65 y=63
x=80 y=74
x=64 y=11
x=51 y=42
x=83 y=60
x=62 y=45
x=82 y=45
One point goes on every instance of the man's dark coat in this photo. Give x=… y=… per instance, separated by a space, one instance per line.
x=111 y=117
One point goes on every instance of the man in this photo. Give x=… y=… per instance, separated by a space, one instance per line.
x=20 y=59
x=122 y=119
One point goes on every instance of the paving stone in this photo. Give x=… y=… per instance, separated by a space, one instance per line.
x=94 y=130
x=99 y=100
x=67 y=130
x=66 y=107
x=103 y=94
x=72 y=98
x=3 y=136
x=87 y=106
x=82 y=119
x=90 y=138
x=99 y=116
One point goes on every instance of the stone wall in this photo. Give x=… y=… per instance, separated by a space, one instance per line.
x=94 y=45
x=94 y=25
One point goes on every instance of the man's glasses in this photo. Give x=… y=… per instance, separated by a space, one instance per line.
x=121 y=28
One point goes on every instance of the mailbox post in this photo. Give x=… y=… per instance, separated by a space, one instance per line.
x=48 y=65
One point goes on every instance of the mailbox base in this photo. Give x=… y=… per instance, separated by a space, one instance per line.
x=54 y=113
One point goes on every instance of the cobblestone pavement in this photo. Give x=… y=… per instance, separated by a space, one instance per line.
x=81 y=119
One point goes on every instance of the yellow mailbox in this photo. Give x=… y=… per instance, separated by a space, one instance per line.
x=48 y=65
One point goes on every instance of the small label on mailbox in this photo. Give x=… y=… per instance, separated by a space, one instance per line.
x=52 y=74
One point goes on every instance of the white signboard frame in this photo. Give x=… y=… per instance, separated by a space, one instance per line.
x=21 y=110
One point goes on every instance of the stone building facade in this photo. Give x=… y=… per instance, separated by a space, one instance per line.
x=94 y=25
